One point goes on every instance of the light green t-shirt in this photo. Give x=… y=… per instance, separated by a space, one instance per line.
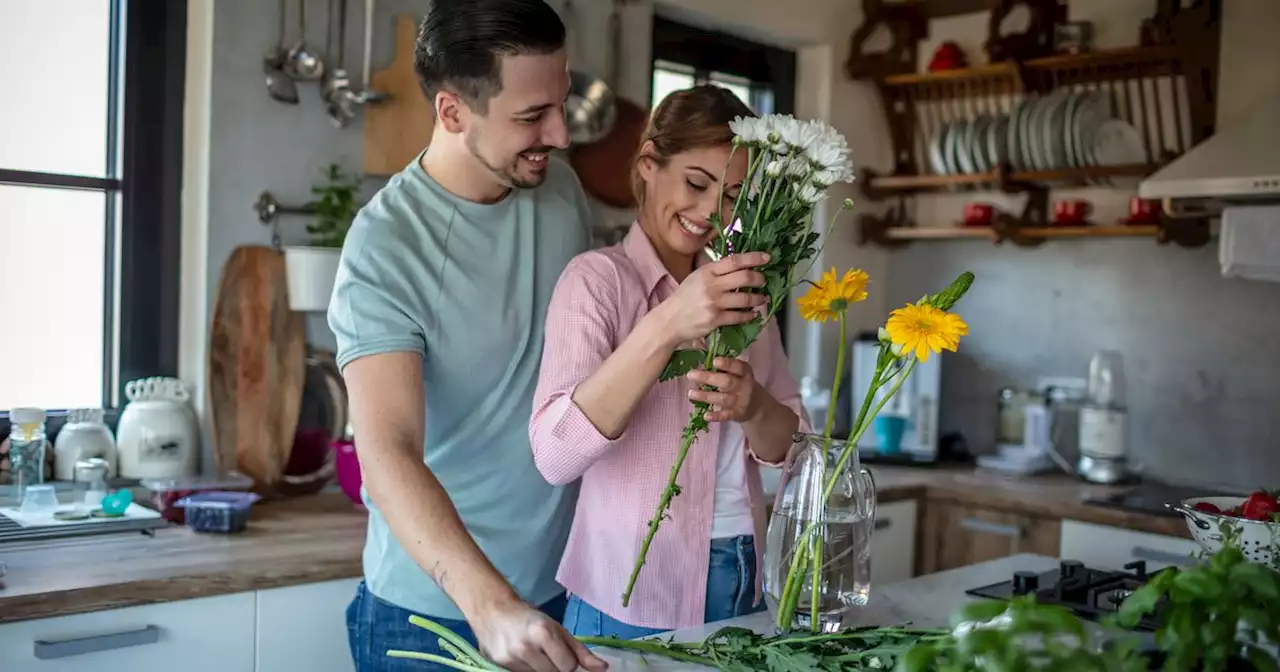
x=466 y=285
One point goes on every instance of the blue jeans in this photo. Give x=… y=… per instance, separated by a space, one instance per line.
x=374 y=626
x=731 y=590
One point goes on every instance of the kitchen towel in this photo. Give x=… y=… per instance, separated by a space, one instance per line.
x=1249 y=243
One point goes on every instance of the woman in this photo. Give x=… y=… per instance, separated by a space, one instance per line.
x=601 y=415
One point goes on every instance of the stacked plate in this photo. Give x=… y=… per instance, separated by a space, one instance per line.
x=1061 y=130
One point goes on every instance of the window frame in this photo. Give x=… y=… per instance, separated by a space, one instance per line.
x=143 y=188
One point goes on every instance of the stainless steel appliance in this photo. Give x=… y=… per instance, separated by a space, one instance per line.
x=1104 y=426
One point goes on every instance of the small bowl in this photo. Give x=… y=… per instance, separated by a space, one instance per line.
x=1255 y=535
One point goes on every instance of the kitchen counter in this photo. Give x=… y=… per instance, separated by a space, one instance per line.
x=290 y=542
x=321 y=537
x=1050 y=495
x=928 y=601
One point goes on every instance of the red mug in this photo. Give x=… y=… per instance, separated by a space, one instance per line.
x=978 y=214
x=1071 y=213
x=1143 y=210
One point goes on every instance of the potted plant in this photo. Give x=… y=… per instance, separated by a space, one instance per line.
x=311 y=269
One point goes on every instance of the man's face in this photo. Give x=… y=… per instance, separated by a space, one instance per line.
x=525 y=120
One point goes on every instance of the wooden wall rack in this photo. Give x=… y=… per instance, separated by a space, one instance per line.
x=1165 y=89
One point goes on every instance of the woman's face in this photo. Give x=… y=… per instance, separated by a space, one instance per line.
x=681 y=196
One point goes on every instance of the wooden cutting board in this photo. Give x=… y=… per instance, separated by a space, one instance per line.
x=396 y=130
x=257 y=366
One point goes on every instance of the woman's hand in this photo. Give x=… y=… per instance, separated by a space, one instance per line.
x=737 y=397
x=708 y=298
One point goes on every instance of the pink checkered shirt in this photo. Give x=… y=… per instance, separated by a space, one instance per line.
x=600 y=298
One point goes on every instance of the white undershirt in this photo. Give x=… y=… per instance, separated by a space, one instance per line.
x=732 y=502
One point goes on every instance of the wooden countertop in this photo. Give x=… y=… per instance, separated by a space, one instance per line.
x=1052 y=496
x=320 y=538
x=286 y=543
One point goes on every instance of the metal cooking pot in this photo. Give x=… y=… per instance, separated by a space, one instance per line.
x=591 y=109
x=590 y=112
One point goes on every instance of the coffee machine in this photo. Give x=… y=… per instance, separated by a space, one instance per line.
x=914 y=408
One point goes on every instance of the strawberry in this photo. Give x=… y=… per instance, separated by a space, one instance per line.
x=1207 y=507
x=1260 y=505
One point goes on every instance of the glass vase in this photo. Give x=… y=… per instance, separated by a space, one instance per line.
x=821 y=524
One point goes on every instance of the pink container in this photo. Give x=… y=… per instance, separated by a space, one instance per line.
x=347 y=466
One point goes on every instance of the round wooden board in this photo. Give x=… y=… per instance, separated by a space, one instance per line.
x=257 y=366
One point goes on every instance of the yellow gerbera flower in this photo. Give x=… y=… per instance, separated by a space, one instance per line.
x=924 y=330
x=830 y=296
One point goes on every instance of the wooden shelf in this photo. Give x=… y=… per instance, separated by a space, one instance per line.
x=1045 y=232
x=878 y=187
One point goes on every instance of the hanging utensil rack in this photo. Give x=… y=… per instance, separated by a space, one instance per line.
x=269 y=210
x=1165 y=89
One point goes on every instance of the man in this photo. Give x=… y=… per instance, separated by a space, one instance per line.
x=439 y=304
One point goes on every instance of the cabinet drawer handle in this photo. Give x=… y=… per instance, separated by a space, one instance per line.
x=884 y=523
x=1162 y=557
x=986 y=527
x=45 y=650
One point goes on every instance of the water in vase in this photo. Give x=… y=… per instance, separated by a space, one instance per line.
x=844 y=571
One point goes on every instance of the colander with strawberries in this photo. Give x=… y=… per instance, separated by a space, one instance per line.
x=1254 y=520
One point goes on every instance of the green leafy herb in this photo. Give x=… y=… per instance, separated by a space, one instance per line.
x=1210 y=610
x=682 y=362
x=336 y=208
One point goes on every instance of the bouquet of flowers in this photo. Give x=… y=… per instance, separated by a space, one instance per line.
x=791 y=164
x=912 y=334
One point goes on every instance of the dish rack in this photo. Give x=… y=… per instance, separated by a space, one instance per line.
x=1030 y=120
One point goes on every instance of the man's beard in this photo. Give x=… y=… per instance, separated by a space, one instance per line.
x=508 y=175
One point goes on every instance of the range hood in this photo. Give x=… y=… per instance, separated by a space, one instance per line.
x=1240 y=163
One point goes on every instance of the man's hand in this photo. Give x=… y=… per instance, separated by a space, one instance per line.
x=523 y=639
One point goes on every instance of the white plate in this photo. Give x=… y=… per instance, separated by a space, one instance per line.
x=1116 y=143
x=1052 y=130
x=964 y=146
x=996 y=148
x=937 y=161
x=951 y=146
x=1013 y=141
x=1069 y=129
x=1094 y=110
x=1031 y=135
x=978 y=144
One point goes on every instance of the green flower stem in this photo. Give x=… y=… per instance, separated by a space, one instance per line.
x=669 y=492
x=441 y=660
x=447 y=635
x=795 y=578
x=646 y=647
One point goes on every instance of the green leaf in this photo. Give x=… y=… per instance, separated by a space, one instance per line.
x=682 y=362
x=1261 y=660
x=1259 y=579
x=1140 y=603
x=919 y=659
x=734 y=339
x=1200 y=585
x=983 y=610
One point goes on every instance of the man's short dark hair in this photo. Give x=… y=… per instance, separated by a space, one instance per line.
x=461 y=44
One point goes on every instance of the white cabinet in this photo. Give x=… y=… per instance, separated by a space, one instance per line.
x=893 y=543
x=1112 y=547
x=213 y=634
x=305 y=627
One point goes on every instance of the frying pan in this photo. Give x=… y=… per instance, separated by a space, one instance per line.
x=604 y=165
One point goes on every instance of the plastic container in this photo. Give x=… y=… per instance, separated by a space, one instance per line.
x=165 y=492
x=224 y=512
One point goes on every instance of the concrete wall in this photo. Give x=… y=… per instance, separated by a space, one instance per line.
x=1197 y=348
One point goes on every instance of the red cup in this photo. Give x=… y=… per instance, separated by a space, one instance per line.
x=1072 y=212
x=1143 y=211
x=978 y=214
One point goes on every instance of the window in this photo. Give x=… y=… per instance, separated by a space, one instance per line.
x=90 y=179
x=684 y=56
x=762 y=76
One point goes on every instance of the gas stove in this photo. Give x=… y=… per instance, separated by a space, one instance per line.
x=1089 y=593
